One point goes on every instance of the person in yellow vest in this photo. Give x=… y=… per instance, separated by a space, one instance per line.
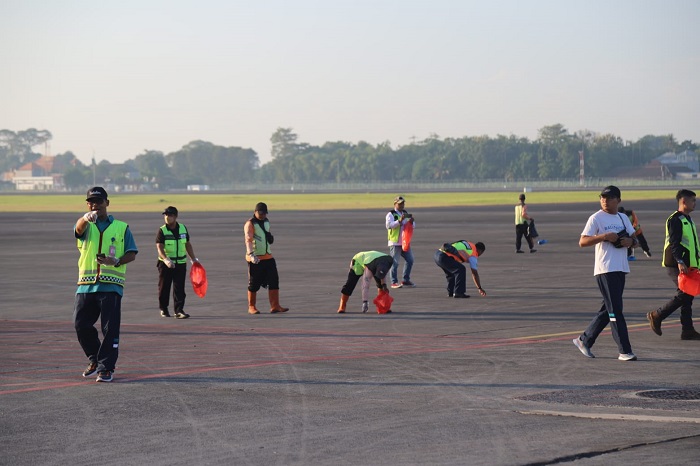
x=522 y=219
x=681 y=253
x=395 y=223
x=451 y=257
x=106 y=246
x=365 y=265
x=262 y=268
x=173 y=245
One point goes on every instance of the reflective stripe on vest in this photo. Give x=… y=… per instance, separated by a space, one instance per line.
x=89 y=271
x=467 y=247
x=175 y=247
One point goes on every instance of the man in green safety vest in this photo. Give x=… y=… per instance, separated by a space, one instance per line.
x=262 y=268
x=173 y=245
x=106 y=246
x=680 y=255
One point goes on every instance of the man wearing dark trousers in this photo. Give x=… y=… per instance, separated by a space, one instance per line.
x=680 y=254
x=262 y=268
x=106 y=246
x=451 y=257
x=522 y=219
x=173 y=245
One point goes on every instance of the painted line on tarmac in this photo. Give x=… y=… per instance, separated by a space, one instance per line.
x=615 y=417
x=414 y=344
x=548 y=336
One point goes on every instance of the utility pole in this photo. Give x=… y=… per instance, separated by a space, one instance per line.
x=581 y=175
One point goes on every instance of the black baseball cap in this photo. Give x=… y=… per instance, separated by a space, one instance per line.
x=611 y=191
x=261 y=207
x=96 y=192
x=170 y=210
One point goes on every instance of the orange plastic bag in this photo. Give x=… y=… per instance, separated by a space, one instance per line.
x=689 y=283
x=406 y=236
x=198 y=277
x=383 y=302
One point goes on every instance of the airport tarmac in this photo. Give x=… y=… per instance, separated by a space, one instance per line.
x=492 y=381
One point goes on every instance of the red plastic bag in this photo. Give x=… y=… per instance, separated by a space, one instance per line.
x=406 y=236
x=383 y=302
x=198 y=277
x=689 y=283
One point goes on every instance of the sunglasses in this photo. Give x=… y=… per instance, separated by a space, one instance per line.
x=95 y=200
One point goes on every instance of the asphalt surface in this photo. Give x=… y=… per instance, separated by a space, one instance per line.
x=493 y=381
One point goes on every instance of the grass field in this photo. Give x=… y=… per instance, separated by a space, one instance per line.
x=205 y=202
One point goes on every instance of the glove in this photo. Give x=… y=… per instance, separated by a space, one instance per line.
x=195 y=260
x=90 y=216
x=253 y=258
x=365 y=306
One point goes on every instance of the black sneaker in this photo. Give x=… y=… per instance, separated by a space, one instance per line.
x=461 y=295
x=91 y=369
x=164 y=313
x=105 y=376
x=182 y=315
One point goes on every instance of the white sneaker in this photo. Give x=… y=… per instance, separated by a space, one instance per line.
x=586 y=351
x=647 y=253
x=396 y=285
x=627 y=357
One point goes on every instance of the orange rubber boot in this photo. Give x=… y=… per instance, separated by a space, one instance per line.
x=251 y=303
x=275 y=302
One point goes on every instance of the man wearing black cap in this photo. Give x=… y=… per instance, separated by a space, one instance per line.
x=522 y=219
x=611 y=233
x=681 y=253
x=365 y=265
x=262 y=268
x=173 y=245
x=106 y=246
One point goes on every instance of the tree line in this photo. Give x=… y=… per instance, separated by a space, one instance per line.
x=553 y=155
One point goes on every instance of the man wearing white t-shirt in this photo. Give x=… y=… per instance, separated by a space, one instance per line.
x=611 y=234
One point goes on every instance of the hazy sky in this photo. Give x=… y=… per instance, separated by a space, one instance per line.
x=117 y=78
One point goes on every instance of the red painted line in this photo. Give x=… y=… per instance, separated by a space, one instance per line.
x=325 y=345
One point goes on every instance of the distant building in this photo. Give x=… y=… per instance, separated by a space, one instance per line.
x=679 y=166
x=198 y=187
x=667 y=166
x=38 y=176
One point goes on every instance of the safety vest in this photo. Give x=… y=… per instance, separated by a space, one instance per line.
x=361 y=259
x=468 y=248
x=260 y=245
x=519 y=214
x=689 y=241
x=175 y=246
x=110 y=243
x=394 y=233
